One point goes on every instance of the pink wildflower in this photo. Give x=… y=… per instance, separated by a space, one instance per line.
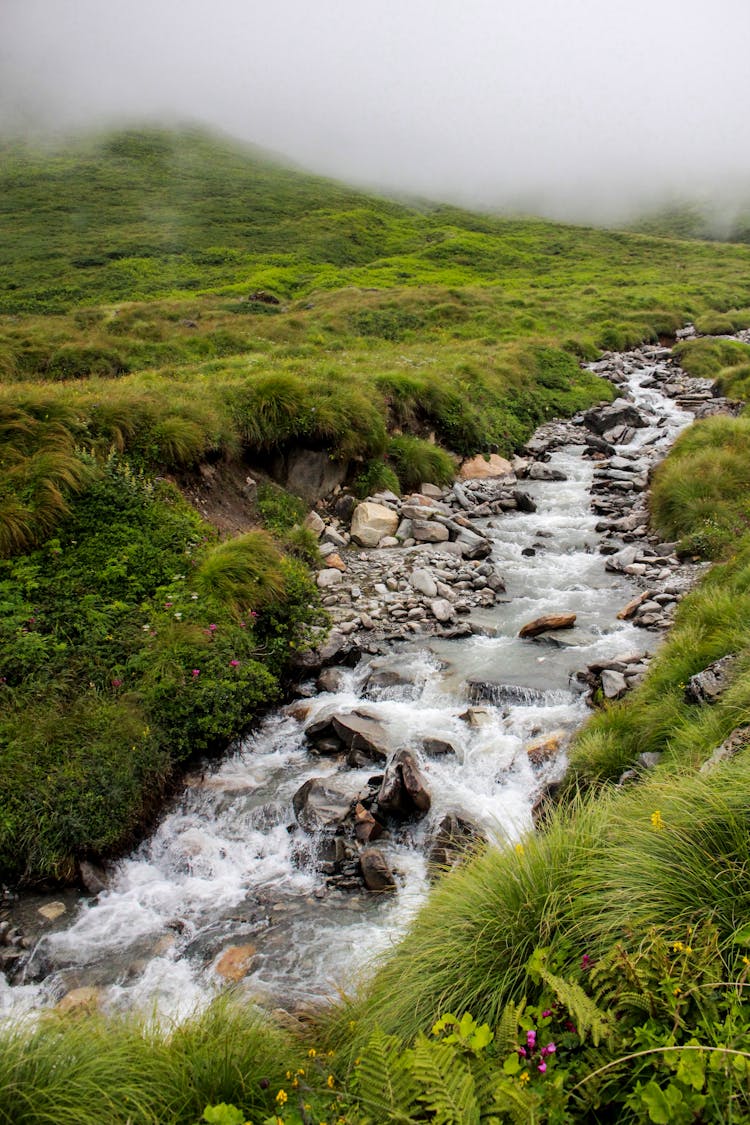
x=212 y=628
x=196 y=672
x=585 y=962
x=531 y=1040
x=546 y=1013
x=542 y=1067
x=234 y=663
x=116 y=683
x=549 y=1049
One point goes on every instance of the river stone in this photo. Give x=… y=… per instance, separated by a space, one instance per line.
x=614 y=684
x=403 y=792
x=437 y=747
x=547 y=746
x=321 y=804
x=366 y=827
x=93 y=877
x=424 y=582
x=540 y=471
x=549 y=621
x=442 y=610
x=431 y=491
x=473 y=546
x=236 y=962
x=80 y=1000
x=708 y=685
x=376 y=873
x=483 y=468
x=329 y=577
x=52 y=911
x=331 y=679
x=428 y=531
x=524 y=502
x=371 y=522
x=602 y=419
x=314 y=523
x=362 y=732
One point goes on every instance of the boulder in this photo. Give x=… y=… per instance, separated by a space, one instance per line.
x=51 y=911
x=498 y=692
x=483 y=468
x=620 y=413
x=428 y=531
x=363 y=733
x=376 y=873
x=431 y=491
x=549 y=621
x=329 y=577
x=524 y=502
x=614 y=684
x=539 y=471
x=80 y=1000
x=371 y=522
x=437 y=747
x=473 y=546
x=93 y=877
x=331 y=679
x=344 y=507
x=321 y=805
x=708 y=685
x=309 y=473
x=314 y=523
x=403 y=792
x=236 y=962
x=442 y=610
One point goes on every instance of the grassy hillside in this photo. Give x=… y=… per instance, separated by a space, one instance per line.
x=167 y=298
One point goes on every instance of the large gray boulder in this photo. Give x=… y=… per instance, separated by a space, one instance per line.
x=708 y=685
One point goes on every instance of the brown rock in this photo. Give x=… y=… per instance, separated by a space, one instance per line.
x=403 y=791
x=80 y=1000
x=371 y=522
x=361 y=732
x=481 y=468
x=376 y=873
x=550 y=621
x=335 y=560
x=544 y=748
x=366 y=827
x=235 y=963
x=52 y=910
x=627 y=611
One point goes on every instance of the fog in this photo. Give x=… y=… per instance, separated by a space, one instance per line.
x=582 y=109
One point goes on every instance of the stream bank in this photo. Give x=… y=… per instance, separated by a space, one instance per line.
x=238 y=882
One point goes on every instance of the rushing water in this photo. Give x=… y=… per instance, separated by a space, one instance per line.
x=224 y=867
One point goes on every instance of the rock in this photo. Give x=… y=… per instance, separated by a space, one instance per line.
x=389 y=541
x=483 y=468
x=80 y=1000
x=366 y=827
x=524 y=502
x=314 y=523
x=539 y=471
x=403 y=792
x=428 y=531
x=334 y=561
x=545 y=747
x=454 y=837
x=309 y=473
x=550 y=621
x=329 y=577
x=93 y=877
x=614 y=684
x=477 y=717
x=331 y=679
x=627 y=611
x=52 y=911
x=437 y=747
x=737 y=740
x=384 y=678
x=708 y=685
x=363 y=733
x=649 y=759
x=236 y=962
x=424 y=582
x=442 y=610
x=602 y=419
x=371 y=522
x=498 y=692
x=344 y=507
x=320 y=804
x=473 y=546
x=376 y=873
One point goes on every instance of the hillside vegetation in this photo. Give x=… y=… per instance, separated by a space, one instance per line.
x=166 y=299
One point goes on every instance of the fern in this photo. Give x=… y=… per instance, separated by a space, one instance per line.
x=513 y=1102
x=383 y=1080
x=588 y=1018
x=446 y=1084
x=506 y=1036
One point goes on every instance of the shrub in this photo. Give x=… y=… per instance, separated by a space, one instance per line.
x=417 y=461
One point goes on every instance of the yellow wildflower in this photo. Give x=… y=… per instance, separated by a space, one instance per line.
x=746 y=960
x=330 y=1081
x=656 y=820
x=282 y=1097
x=677 y=992
x=524 y=1076
x=312 y=1053
x=519 y=849
x=677 y=947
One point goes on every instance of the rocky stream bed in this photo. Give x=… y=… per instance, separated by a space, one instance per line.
x=474 y=627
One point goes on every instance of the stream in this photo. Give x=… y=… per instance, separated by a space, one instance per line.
x=228 y=866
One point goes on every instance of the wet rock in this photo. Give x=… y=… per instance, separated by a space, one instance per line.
x=92 y=876
x=524 y=502
x=620 y=413
x=614 y=685
x=362 y=733
x=452 y=840
x=549 y=621
x=473 y=546
x=384 y=678
x=320 y=804
x=236 y=962
x=498 y=692
x=477 y=717
x=539 y=471
x=437 y=747
x=371 y=522
x=629 y=610
x=366 y=826
x=403 y=792
x=376 y=873
x=542 y=749
x=52 y=911
x=331 y=679
x=80 y=1000
x=712 y=682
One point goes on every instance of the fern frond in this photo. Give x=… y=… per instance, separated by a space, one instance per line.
x=506 y=1035
x=589 y=1019
x=513 y=1102
x=383 y=1081
x=447 y=1086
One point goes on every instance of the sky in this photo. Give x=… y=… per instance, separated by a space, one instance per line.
x=582 y=109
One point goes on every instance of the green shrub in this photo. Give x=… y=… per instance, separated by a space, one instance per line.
x=416 y=461
x=377 y=476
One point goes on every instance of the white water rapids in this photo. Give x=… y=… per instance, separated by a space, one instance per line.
x=226 y=867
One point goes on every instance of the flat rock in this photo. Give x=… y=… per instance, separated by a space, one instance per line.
x=236 y=962
x=614 y=684
x=52 y=911
x=549 y=621
x=482 y=468
x=320 y=804
x=708 y=685
x=428 y=531
x=328 y=577
x=363 y=733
